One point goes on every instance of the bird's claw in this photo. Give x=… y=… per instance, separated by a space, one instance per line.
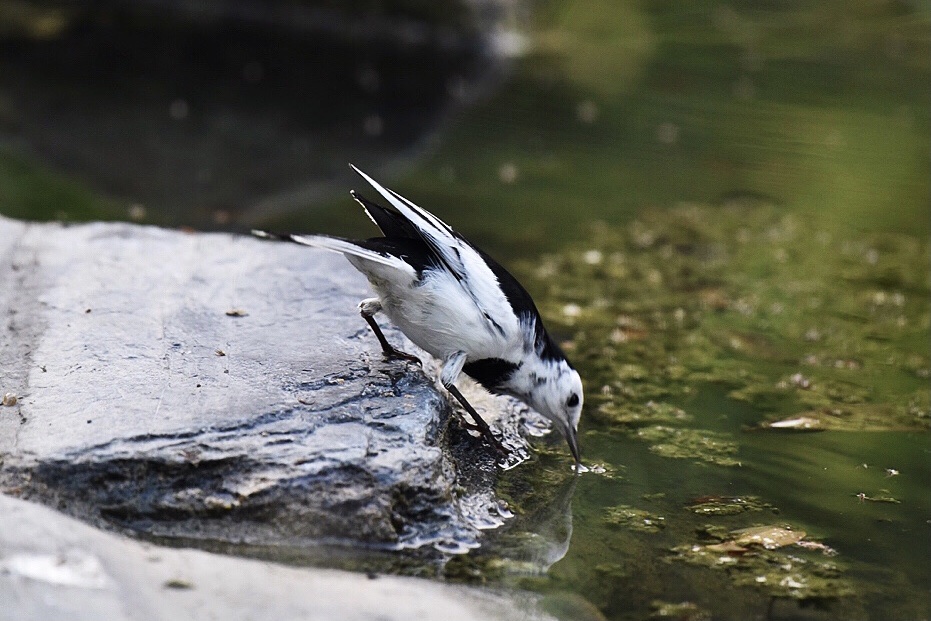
x=496 y=444
x=489 y=436
x=499 y=448
x=396 y=354
x=467 y=424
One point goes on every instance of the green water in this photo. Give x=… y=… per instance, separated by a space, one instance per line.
x=696 y=329
x=794 y=284
x=722 y=209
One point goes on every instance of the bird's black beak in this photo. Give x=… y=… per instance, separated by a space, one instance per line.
x=572 y=437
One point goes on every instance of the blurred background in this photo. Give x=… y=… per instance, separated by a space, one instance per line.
x=518 y=121
x=564 y=136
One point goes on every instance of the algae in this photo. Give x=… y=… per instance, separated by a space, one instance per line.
x=854 y=417
x=728 y=505
x=637 y=520
x=706 y=446
x=769 y=537
x=862 y=497
x=693 y=329
x=750 y=299
x=764 y=558
x=678 y=611
x=650 y=412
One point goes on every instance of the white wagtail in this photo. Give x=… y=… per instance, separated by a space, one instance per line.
x=458 y=304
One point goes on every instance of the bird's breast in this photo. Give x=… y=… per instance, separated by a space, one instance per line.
x=441 y=318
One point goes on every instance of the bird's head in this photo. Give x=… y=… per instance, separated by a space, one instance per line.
x=558 y=396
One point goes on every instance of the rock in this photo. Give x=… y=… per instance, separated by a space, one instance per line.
x=54 y=568
x=217 y=388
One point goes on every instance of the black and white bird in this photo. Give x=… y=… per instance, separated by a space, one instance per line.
x=458 y=304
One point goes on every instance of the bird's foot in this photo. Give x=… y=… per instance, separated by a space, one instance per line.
x=486 y=433
x=495 y=443
x=368 y=308
x=470 y=426
x=480 y=423
x=397 y=354
x=499 y=448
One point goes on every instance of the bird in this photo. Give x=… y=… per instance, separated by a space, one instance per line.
x=454 y=301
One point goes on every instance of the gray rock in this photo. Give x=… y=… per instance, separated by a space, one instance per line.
x=218 y=388
x=54 y=568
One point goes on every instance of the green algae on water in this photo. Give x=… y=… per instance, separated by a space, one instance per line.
x=677 y=611
x=650 y=412
x=765 y=558
x=699 y=444
x=637 y=520
x=857 y=417
x=787 y=317
x=728 y=505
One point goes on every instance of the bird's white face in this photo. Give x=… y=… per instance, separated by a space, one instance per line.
x=560 y=400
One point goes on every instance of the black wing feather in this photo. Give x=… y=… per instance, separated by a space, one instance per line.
x=491 y=373
x=414 y=252
x=523 y=306
x=395 y=226
x=391 y=223
x=402 y=238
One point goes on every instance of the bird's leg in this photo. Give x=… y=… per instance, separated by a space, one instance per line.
x=467 y=424
x=368 y=308
x=452 y=366
x=480 y=424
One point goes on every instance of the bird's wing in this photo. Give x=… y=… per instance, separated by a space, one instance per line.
x=391 y=223
x=454 y=253
x=437 y=234
x=535 y=335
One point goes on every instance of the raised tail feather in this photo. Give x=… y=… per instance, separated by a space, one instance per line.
x=336 y=244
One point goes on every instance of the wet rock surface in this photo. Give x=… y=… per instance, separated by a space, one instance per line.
x=53 y=567
x=217 y=388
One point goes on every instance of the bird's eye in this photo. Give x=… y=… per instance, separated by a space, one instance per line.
x=573 y=400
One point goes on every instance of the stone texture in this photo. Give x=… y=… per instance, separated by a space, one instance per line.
x=216 y=387
x=54 y=568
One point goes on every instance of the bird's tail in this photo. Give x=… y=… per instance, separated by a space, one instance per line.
x=334 y=244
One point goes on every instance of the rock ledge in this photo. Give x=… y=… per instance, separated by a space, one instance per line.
x=218 y=388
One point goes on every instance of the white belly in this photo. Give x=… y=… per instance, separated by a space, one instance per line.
x=440 y=318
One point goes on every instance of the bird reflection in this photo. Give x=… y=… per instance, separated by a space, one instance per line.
x=541 y=537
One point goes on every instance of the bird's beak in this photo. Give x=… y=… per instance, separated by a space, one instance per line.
x=572 y=437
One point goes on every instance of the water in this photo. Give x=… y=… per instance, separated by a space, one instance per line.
x=800 y=110
x=811 y=482
x=793 y=283
x=695 y=329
